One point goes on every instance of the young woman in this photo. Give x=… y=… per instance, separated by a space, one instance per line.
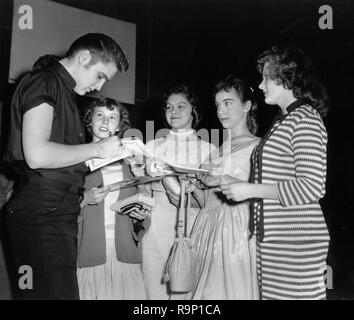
x=289 y=180
x=181 y=146
x=226 y=258
x=109 y=257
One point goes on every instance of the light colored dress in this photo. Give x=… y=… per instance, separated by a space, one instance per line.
x=226 y=258
x=113 y=280
x=183 y=148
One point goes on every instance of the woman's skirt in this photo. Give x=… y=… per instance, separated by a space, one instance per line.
x=292 y=271
x=113 y=280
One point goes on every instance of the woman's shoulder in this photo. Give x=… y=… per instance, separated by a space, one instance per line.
x=307 y=118
x=249 y=144
x=306 y=111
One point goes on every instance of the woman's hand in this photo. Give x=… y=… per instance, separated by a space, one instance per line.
x=94 y=196
x=136 y=163
x=137 y=168
x=210 y=181
x=191 y=186
x=190 y=181
x=237 y=191
x=214 y=181
x=140 y=213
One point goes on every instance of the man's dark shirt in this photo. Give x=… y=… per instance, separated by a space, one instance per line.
x=52 y=85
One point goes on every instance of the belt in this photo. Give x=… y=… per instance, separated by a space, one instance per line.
x=55 y=184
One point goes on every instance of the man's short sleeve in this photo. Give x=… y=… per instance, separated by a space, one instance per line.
x=40 y=88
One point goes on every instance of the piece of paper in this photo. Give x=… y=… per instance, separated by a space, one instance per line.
x=130 y=146
x=134 y=182
x=186 y=169
x=97 y=163
x=157 y=167
x=135 y=145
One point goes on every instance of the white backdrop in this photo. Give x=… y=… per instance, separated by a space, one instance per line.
x=55 y=27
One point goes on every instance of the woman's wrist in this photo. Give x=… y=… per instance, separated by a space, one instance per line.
x=263 y=191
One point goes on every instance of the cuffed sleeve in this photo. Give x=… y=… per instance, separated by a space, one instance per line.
x=41 y=89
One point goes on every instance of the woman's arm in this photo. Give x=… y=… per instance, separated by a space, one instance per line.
x=173 y=189
x=94 y=196
x=309 y=146
x=39 y=152
x=244 y=190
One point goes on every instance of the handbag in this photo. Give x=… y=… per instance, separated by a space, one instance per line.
x=180 y=268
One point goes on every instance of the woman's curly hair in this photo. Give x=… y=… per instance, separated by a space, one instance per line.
x=110 y=104
x=292 y=68
x=192 y=99
x=245 y=93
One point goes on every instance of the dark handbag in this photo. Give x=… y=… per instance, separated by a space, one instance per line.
x=181 y=265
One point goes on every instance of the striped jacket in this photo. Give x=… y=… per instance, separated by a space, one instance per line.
x=292 y=156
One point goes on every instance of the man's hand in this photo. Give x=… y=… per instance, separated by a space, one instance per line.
x=108 y=148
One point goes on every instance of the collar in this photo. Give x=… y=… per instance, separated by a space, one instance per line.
x=59 y=69
x=182 y=132
x=291 y=107
x=294 y=105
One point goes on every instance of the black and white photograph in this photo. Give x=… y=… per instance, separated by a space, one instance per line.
x=176 y=150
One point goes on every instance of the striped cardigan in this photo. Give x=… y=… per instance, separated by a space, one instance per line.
x=292 y=156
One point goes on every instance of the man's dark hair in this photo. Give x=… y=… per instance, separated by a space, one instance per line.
x=102 y=48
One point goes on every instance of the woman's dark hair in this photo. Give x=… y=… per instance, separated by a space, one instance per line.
x=44 y=61
x=102 y=48
x=245 y=93
x=192 y=99
x=292 y=68
x=110 y=104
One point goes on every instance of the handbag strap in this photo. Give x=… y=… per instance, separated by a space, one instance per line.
x=181 y=225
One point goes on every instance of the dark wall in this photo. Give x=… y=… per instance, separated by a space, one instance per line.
x=199 y=42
